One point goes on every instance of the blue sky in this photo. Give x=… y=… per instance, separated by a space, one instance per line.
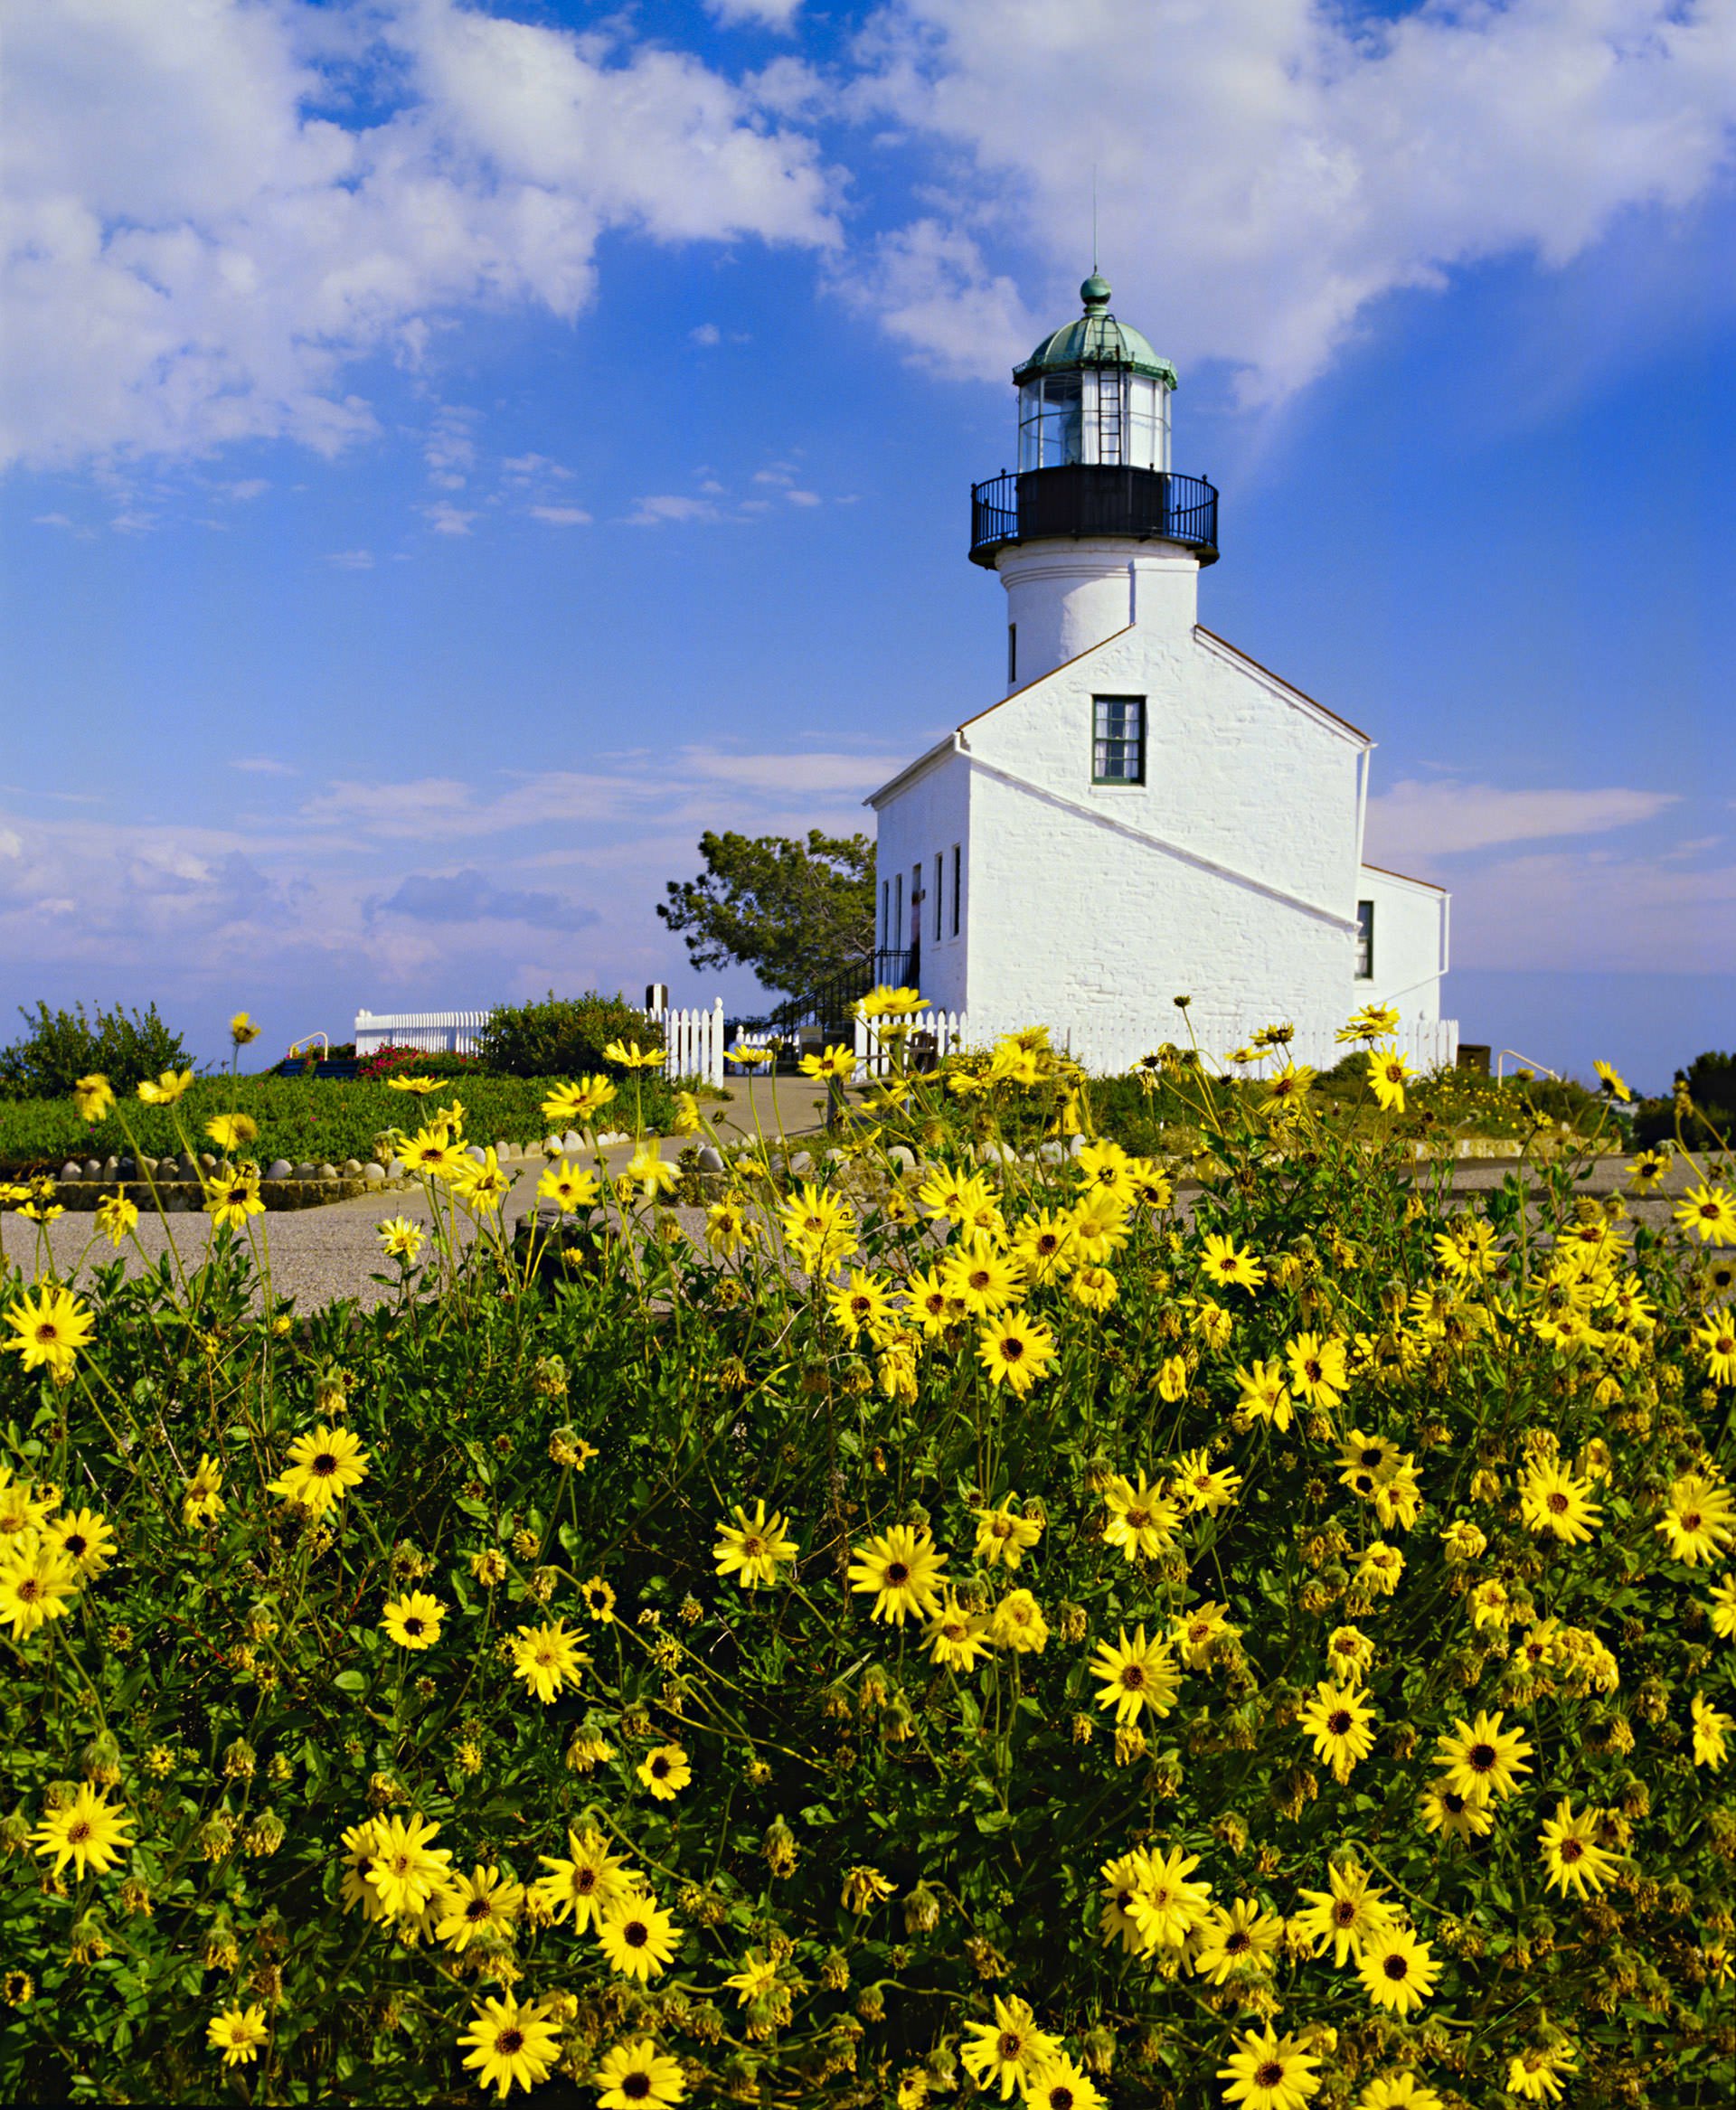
x=457 y=454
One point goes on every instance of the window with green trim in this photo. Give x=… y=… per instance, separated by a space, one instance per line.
x=1118 y=739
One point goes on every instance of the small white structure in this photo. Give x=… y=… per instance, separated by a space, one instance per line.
x=1147 y=812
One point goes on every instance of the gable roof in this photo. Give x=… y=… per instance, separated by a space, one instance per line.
x=1409 y=879
x=953 y=742
x=1278 y=682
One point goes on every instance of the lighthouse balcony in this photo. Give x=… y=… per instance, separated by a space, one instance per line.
x=1089 y=498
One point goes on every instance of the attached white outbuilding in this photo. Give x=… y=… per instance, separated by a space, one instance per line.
x=1147 y=812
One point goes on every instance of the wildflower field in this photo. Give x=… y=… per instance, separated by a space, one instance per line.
x=973 y=1631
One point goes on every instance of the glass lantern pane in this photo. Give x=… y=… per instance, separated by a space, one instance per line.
x=1142 y=424
x=1061 y=419
x=1031 y=426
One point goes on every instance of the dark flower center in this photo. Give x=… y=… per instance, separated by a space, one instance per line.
x=635 y=2085
x=1571 y=1850
x=1237 y=1943
x=1344 y=1913
x=510 y=2043
x=1556 y=1501
x=478 y=1909
x=324 y=1465
x=636 y=1933
x=1133 y=1678
x=415 y=1627
x=78 y=1832
x=1009 y=2046
x=1270 y=2074
x=897 y=1574
x=584 y=1880
x=659 y=1768
x=76 y=1544
x=1011 y=1347
x=1482 y=1758
x=1397 y=1968
x=1339 y=1722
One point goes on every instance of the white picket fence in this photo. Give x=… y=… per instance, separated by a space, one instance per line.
x=934 y=1033
x=435 y=1032
x=695 y=1039
x=1110 y=1049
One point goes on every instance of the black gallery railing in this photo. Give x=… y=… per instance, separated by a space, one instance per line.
x=1088 y=499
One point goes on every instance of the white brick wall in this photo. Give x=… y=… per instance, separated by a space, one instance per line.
x=1409 y=942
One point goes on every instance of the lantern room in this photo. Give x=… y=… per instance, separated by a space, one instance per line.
x=1094 y=391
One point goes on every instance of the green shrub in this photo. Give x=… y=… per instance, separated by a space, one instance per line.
x=62 y=1046
x=1709 y=1120
x=1300 y=1449
x=562 y=1036
x=302 y=1118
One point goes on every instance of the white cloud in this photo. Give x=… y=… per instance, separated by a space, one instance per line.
x=529 y=469
x=1415 y=819
x=249 y=487
x=706 y=334
x=799 y=774
x=448 y=449
x=352 y=559
x=668 y=509
x=1268 y=168
x=931 y=290
x=561 y=515
x=262 y=766
x=1590 y=911
x=777 y=14
x=200 y=250
x=446 y=519
x=804 y=498
x=12 y=843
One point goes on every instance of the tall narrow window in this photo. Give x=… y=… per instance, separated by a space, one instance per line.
x=937 y=931
x=1012 y=656
x=898 y=913
x=885 y=914
x=1364 y=941
x=958 y=875
x=916 y=904
x=1118 y=739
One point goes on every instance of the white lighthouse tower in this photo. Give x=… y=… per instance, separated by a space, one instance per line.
x=1147 y=811
x=1094 y=523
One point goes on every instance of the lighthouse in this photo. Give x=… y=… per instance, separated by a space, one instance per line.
x=1146 y=810
x=1095 y=519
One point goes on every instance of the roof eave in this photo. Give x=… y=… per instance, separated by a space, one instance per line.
x=923 y=763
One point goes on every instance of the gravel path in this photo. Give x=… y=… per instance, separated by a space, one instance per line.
x=321 y=1253
x=318 y=1255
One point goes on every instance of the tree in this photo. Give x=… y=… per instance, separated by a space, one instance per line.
x=796 y=914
